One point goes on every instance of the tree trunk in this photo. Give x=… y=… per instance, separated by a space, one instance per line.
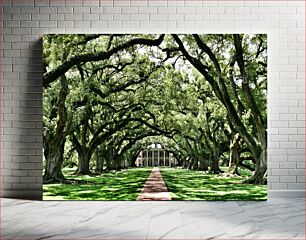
x=118 y=164
x=195 y=164
x=179 y=162
x=114 y=165
x=99 y=162
x=53 y=170
x=108 y=163
x=56 y=144
x=133 y=160
x=203 y=164
x=261 y=169
x=234 y=155
x=190 y=163
x=215 y=162
x=83 y=164
x=185 y=164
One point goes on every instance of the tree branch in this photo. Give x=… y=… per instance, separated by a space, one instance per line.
x=52 y=75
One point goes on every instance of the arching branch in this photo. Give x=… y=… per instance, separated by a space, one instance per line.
x=52 y=75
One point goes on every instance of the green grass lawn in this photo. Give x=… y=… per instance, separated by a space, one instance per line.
x=184 y=184
x=120 y=185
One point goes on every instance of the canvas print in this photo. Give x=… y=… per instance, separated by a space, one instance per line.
x=155 y=117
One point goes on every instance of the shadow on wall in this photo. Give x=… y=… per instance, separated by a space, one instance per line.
x=29 y=125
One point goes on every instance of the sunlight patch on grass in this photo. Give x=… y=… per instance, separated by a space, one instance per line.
x=184 y=184
x=120 y=185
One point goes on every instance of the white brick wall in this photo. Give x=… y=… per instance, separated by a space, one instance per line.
x=24 y=22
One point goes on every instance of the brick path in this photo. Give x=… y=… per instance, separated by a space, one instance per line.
x=154 y=188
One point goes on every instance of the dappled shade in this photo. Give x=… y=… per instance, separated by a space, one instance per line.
x=191 y=185
x=122 y=185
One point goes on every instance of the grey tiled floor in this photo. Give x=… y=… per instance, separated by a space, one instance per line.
x=272 y=219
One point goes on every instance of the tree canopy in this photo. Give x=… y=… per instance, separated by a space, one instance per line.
x=202 y=97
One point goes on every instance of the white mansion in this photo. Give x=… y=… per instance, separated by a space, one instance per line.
x=155 y=156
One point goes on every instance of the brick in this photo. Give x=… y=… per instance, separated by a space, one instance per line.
x=191 y=17
x=85 y=10
x=96 y=10
x=159 y=17
x=48 y=10
x=221 y=24
x=19 y=173
x=40 y=16
x=11 y=24
x=261 y=10
x=27 y=179
x=21 y=31
x=176 y=17
x=121 y=17
x=90 y=3
x=138 y=3
x=296 y=186
x=280 y=172
x=185 y=9
x=130 y=24
x=65 y=9
x=157 y=3
x=9 y=9
x=297 y=138
x=290 y=10
x=41 y=3
x=74 y=16
x=229 y=17
x=147 y=9
x=122 y=3
x=74 y=3
x=202 y=10
x=33 y=24
x=242 y=10
x=140 y=17
x=287 y=165
x=287 y=179
x=295 y=152
x=166 y=10
x=57 y=3
x=296 y=172
x=98 y=24
x=108 y=10
x=170 y=24
x=300 y=179
x=106 y=17
x=17 y=186
x=82 y=24
x=23 y=3
x=92 y=17
x=30 y=10
x=21 y=17
x=128 y=10
x=10 y=179
x=64 y=24
x=148 y=24
x=217 y=10
x=288 y=131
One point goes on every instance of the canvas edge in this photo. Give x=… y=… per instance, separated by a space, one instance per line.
x=37 y=194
